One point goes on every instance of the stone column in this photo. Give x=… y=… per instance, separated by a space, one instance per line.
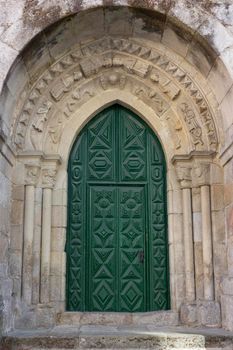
x=48 y=179
x=184 y=176
x=31 y=178
x=202 y=179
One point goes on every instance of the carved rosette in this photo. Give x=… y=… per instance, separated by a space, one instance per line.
x=112 y=63
x=32 y=173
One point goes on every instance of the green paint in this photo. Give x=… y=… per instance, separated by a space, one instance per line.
x=117 y=250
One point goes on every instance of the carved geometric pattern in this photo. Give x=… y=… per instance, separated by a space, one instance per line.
x=74 y=247
x=100 y=145
x=117 y=241
x=133 y=141
x=66 y=80
x=131 y=246
x=102 y=249
x=158 y=228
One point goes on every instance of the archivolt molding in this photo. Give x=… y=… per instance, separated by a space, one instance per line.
x=121 y=64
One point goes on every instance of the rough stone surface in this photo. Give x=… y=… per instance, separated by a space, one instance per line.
x=201 y=313
x=107 y=337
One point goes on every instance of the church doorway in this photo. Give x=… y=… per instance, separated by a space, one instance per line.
x=117 y=248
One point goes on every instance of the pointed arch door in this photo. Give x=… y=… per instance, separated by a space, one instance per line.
x=117 y=250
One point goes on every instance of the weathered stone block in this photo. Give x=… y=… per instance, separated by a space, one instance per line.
x=176 y=38
x=217 y=197
x=188 y=314
x=4 y=244
x=201 y=313
x=59 y=197
x=118 y=21
x=178 y=227
x=219 y=79
x=227 y=311
x=17 y=212
x=45 y=317
x=37 y=59
x=209 y=314
x=26 y=319
x=8 y=54
x=229 y=220
x=218 y=226
x=59 y=216
x=228 y=194
x=16 y=237
x=160 y=318
x=18 y=192
x=89 y=25
x=230 y=256
x=148 y=28
x=58 y=239
x=226 y=108
x=3 y=270
x=18 y=78
x=5 y=221
x=15 y=261
x=201 y=56
x=227 y=286
x=56 y=263
x=220 y=258
x=177 y=201
x=5 y=190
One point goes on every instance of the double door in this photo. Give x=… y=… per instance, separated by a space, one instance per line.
x=117 y=230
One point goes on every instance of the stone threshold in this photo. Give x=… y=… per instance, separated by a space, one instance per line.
x=158 y=318
x=118 y=337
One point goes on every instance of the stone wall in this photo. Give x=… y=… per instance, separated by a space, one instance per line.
x=6 y=283
x=45 y=101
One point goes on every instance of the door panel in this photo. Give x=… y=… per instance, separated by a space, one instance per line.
x=101 y=148
x=102 y=250
x=132 y=149
x=131 y=249
x=158 y=246
x=117 y=250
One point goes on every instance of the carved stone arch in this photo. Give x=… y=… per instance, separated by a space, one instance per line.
x=123 y=64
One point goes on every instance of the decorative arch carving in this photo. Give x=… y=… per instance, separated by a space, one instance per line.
x=121 y=64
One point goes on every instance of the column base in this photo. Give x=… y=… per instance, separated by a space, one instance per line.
x=35 y=316
x=227 y=303
x=201 y=313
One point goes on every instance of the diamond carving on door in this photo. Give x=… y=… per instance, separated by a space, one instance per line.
x=117 y=250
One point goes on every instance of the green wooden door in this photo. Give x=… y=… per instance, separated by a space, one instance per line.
x=117 y=251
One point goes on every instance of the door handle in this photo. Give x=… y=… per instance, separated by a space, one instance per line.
x=141 y=256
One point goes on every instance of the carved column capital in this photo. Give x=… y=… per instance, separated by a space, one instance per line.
x=184 y=175
x=201 y=174
x=32 y=172
x=48 y=177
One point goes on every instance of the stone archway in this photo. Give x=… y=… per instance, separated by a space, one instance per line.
x=70 y=92
x=177 y=102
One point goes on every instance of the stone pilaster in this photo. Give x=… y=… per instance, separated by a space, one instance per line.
x=184 y=177
x=48 y=181
x=31 y=178
x=201 y=175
